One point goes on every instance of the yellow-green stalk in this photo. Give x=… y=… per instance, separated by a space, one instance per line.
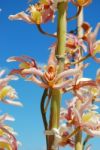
x=60 y=51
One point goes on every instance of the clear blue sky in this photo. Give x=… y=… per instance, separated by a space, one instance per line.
x=19 y=38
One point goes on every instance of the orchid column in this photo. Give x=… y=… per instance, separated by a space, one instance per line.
x=60 y=51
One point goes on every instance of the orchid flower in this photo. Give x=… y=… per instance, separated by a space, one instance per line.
x=39 y=13
x=90 y=38
x=84 y=117
x=7 y=139
x=73 y=45
x=82 y=87
x=89 y=122
x=47 y=78
x=8 y=93
x=43 y=11
x=86 y=86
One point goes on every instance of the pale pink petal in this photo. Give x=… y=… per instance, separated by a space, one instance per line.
x=51 y=60
x=11 y=102
x=67 y=73
x=64 y=84
x=2 y=73
x=15 y=58
x=85 y=105
x=92 y=132
x=22 y=16
x=37 y=81
x=13 y=141
x=33 y=71
x=79 y=95
x=4 y=81
x=96 y=59
x=77 y=117
x=6 y=117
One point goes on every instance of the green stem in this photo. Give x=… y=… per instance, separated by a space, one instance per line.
x=85 y=141
x=78 y=141
x=81 y=60
x=56 y=95
x=43 y=113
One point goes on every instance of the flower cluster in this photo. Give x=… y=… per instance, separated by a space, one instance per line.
x=81 y=114
x=43 y=11
x=7 y=134
x=7 y=96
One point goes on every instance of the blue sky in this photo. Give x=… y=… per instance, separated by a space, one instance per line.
x=19 y=38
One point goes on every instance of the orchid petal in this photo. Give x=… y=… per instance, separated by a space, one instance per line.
x=92 y=132
x=6 y=117
x=67 y=73
x=33 y=71
x=77 y=116
x=16 y=103
x=21 y=16
x=63 y=84
x=12 y=141
x=98 y=75
x=2 y=72
x=37 y=81
x=85 y=105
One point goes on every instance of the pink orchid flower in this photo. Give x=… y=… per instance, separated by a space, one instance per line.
x=39 y=13
x=90 y=38
x=88 y=87
x=84 y=117
x=48 y=78
x=73 y=45
x=82 y=87
x=8 y=93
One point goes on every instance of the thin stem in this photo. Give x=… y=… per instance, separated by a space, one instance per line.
x=48 y=101
x=44 y=113
x=45 y=33
x=76 y=15
x=78 y=141
x=81 y=60
x=85 y=141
